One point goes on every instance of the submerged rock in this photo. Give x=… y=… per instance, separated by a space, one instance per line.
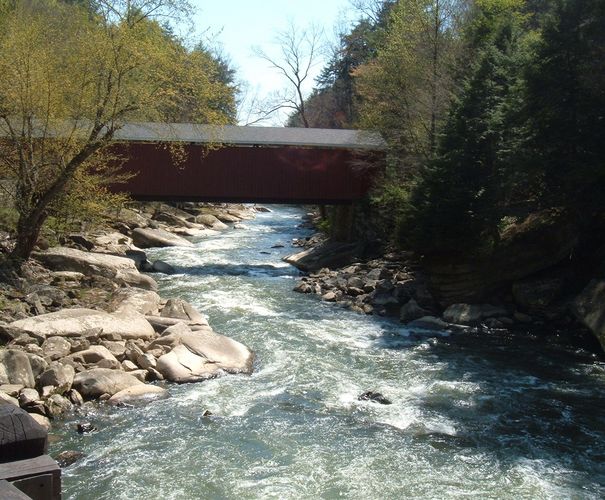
x=374 y=397
x=68 y=457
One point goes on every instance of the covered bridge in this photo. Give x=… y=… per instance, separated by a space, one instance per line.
x=188 y=162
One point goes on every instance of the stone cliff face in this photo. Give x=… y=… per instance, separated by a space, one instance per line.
x=542 y=241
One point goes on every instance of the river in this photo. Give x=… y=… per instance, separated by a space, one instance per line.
x=483 y=416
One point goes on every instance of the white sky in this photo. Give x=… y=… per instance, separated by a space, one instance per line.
x=239 y=25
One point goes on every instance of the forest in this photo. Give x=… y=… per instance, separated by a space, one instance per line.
x=494 y=111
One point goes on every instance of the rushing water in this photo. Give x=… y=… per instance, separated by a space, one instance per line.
x=484 y=416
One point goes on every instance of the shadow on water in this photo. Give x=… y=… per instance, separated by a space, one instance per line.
x=533 y=400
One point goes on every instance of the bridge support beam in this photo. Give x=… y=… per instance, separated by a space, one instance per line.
x=342 y=223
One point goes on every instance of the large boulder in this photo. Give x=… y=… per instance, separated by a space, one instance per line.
x=98 y=381
x=94 y=354
x=329 y=254
x=120 y=269
x=149 y=238
x=589 y=307
x=138 y=394
x=472 y=314
x=15 y=368
x=143 y=301
x=60 y=376
x=56 y=348
x=201 y=355
x=126 y=322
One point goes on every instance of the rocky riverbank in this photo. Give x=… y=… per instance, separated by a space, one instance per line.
x=83 y=323
x=395 y=284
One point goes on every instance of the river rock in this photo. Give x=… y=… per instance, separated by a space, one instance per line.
x=120 y=269
x=197 y=356
x=375 y=397
x=68 y=457
x=98 y=381
x=211 y=221
x=28 y=396
x=328 y=254
x=94 y=354
x=159 y=266
x=126 y=322
x=6 y=399
x=429 y=323
x=149 y=238
x=56 y=348
x=41 y=420
x=467 y=314
x=38 y=364
x=589 y=308
x=138 y=394
x=15 y=368
x=143 y=301
x=57 y=405
x=411 y=311
x=58 y=375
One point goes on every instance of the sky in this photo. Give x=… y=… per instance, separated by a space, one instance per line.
x=239 y=25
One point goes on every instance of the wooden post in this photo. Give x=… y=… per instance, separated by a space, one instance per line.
x=23 y=459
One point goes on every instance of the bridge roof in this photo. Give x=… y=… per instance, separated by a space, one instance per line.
x=251 y=136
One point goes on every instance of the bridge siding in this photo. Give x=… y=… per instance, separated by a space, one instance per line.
x=245 y=174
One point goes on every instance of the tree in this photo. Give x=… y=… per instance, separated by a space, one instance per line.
x=299 y=53
x=565 y=107
x=460 y=198
x=69 y=79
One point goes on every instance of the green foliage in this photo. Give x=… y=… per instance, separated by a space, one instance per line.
x=71 y=74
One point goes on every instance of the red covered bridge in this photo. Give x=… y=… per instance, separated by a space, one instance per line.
x=248 y=164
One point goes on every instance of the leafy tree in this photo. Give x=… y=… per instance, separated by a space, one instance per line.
x=460 y=200
x=69 y=79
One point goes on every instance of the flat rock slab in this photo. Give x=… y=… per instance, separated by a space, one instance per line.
x=127 y=322
x=120 y=269
x=149 y=238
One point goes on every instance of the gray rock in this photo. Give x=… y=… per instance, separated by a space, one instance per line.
x=75 y=397
x=143 y=301
x=41 y=420
x=411 y=311
x=129 y=366
x=12 y=389
x=6 y=399
x=202 y=355
x=57 y=405
x=149 y=238
x=98 y=381
x=15 y=368
x=38 y=364
x=94 y=354
x=126 y=322
x=589 y=308
x=138 y=394
x=159 y=266
x=56 y=348
x=429 y=323
x=120 y=269
x=467 y=314
x=28 y=396
x=59 y=376
x=146 y=361
x=68 y=457
x=118 y=349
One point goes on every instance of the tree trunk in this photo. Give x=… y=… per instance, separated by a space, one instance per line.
x=28 y=230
